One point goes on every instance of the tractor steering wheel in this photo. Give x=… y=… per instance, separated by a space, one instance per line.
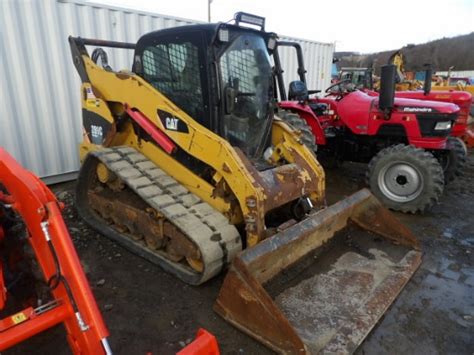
x=341 y=89
x=338 y=84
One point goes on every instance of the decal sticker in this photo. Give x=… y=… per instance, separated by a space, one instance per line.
x=96 y=126
x=19 y=318
x=89 y=93
x=171 y=122
x=97 y=132
x=418 y=109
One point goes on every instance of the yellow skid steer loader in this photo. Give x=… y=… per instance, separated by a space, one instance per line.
x=187 y=162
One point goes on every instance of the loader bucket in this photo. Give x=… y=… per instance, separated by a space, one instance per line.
x=321 y=285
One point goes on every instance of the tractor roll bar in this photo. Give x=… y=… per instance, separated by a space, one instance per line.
x=299 y=53
x=279 y=70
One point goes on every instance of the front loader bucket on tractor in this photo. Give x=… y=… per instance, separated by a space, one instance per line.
x=322 y=284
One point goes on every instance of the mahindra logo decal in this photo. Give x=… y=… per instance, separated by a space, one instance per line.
x=418 y=109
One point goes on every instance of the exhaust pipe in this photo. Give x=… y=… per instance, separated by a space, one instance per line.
x=427 y=84
x=387 y=88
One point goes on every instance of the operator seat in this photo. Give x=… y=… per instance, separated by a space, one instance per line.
x=299 y=92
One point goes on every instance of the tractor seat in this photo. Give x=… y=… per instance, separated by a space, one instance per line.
x=298 y=91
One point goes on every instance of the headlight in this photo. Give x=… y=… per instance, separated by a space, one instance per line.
x=223 y=35
x=271 y=43
x=442 y=126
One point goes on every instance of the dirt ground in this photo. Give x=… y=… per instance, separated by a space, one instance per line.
x=148 y=310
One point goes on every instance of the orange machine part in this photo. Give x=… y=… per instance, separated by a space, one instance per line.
x=204 y=344
x=77 y=309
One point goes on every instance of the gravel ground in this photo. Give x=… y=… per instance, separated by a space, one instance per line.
x=148 y=310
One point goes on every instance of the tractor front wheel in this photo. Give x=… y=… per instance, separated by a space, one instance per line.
x=405 y=178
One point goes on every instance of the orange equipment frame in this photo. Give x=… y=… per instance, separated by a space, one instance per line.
x=73 y=303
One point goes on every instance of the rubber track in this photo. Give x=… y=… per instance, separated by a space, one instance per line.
x=217 y=239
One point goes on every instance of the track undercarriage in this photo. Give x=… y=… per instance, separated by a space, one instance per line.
x=129 y=199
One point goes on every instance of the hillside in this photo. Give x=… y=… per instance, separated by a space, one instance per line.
x=441 y=54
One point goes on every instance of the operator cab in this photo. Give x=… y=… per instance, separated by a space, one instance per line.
x=219 y=74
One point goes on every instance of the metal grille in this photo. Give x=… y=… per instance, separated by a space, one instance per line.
x=241 y=65
x=173 y=69
x=427 y=123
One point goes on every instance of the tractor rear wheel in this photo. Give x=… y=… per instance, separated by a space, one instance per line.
x=405 y=178
x=453 y=159
x=299 y=124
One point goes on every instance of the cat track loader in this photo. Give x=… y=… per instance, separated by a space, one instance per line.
x=187 y=162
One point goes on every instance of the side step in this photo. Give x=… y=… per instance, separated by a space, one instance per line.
x=322 y=284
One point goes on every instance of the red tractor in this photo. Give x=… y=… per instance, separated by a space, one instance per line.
x=461 y=134
x=404 y=141
x=463 y=99
x=463 y=129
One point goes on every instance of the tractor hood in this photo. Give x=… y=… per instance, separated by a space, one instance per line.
x=360 y=103
x=456 y=97
x=422 y=106
x=417 y=101
x=461 y=98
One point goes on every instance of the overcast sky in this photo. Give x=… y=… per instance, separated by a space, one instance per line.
x=364 y=25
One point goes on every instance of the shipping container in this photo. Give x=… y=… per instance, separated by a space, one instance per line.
x=40 y=113
x=458 y=73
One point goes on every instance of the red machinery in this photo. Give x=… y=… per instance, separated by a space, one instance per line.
x=462 y=128
x=65 y=296
x=204 y=344
x=405 y=141
x=44 y=241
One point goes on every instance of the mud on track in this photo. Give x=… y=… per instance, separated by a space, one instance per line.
x=148 y=310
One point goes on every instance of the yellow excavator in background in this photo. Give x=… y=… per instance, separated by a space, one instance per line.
x=187 y=162
x=403 y=84
x=447 y=90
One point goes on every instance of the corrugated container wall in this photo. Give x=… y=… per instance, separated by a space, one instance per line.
x=317 y=61
x=40 y=114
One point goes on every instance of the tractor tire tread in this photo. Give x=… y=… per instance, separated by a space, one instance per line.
x=299 y=124
x=434 y=177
